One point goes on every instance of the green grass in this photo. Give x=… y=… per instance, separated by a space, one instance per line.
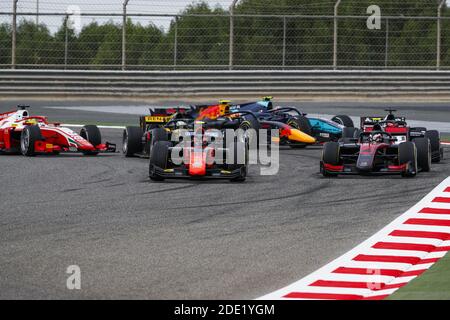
x=445 y=137
x=434 y=284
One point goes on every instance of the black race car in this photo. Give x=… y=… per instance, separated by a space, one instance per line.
x=376 y=152
x=399 y=129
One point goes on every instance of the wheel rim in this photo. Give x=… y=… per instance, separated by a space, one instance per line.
x=125 y=143
x=25 y=143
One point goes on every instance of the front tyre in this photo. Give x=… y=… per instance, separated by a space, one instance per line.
x=407 y=154
x=91 y=133
x=301 y=123
x=330 y=155
x=29 y=136
x=159 y=158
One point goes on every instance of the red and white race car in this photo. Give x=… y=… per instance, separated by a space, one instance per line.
x=30 y=135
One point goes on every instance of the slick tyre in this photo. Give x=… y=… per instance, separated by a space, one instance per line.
x=344 y=120
x=241 y=154
x=251 y=127
x=159 y=158
x=301 y=123
x=28 y=138
x=92 y=134
x=331 y=156
x=407 y=154
x=132 y=141
x=435 y=141
x=423 y=147
x=156 y=135
x=350 y=132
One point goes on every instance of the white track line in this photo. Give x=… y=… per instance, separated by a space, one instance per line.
x=100 y=127
x=385 y=262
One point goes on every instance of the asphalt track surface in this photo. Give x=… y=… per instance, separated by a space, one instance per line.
x=133 y=238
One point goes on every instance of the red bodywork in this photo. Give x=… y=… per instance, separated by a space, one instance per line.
x=54 y=138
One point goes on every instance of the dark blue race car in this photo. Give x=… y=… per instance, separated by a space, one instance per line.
x=322 y=129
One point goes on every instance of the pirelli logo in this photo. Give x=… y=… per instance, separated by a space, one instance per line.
x=157 y=119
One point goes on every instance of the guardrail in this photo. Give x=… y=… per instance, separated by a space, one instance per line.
x=178 y=84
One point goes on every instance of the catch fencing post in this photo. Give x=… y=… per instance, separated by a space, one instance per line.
x=37 y=12
x=124 y=34
x=14 y=33
x=175 y=43
x=66 y=42
x=386 y=53
x=284 y=41
x=439 y=39
x=230 y=61
x=335 y=35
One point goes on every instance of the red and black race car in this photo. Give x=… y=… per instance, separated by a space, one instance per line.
x=401 y=132
x=31 y=135
x=376 y=152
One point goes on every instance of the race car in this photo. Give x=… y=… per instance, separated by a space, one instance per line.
x=32 y=135
x=375 y=152
x=137 y=141
x=160 y=138
x=289 y=126
x=321 y=129
x=399 y=129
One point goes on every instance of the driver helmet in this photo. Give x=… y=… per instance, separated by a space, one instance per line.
x=377 y=137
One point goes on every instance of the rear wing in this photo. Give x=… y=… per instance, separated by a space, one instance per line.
x=161 y=116
x=371 y=121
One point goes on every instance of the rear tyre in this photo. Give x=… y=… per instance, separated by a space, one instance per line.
x=132 y=141
x=435 y=142
x=407 y=153
x=28 y=138
x=92 y=134
x=331 y=156
x=349 y=132
x=344 y=120
x=159 y=158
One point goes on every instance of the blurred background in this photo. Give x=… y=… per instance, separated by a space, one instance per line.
x=251 y=34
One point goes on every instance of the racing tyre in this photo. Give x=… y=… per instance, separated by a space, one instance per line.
x=423 y=147
x=435 y=141
x=249 y=123
x=28 y=137
x=156 y=135
x=330 y=155
x=92 y=134
x=159 y=158
x=239 y=147
x=349 y=132
x=407 y=153
x=301 y=123
x=344 y=120
x=132 y=141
